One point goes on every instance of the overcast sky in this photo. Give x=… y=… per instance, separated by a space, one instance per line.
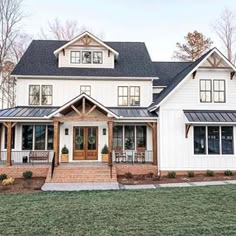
x=158 y=23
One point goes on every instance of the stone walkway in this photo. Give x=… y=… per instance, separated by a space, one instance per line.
x=116 y=186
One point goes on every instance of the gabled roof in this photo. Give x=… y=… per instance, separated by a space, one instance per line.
x=134 y=61
x=86 y=33
x=188 y=70
x=76 y=99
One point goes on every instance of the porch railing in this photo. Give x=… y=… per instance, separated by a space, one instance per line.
x=22 y=158
x=131 y=156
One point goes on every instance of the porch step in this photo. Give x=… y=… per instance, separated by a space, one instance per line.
x=78 y=174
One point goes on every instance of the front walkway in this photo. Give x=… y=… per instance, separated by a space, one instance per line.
x=116 y=186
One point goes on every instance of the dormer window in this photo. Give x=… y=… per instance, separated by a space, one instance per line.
x=86 y=57
x=97 y=57
x=75 y=57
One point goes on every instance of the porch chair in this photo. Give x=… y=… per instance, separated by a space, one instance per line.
x=120 y=155
x=139 y=155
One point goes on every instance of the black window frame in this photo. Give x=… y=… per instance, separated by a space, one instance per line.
x=134 y=96
x=116 y=136
x=132 y=138
x=205 y=91
x=50 y=95
x=219 y=91
x=30 y=95
x=123 y=96
x=32 y=141
x=91 y=59
x=85 y=91
x=137 y=137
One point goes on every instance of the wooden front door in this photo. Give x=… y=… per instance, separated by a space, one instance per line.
x=85 y=142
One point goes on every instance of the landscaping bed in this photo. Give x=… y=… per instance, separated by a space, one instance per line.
x=130 y=179
x=22 y=185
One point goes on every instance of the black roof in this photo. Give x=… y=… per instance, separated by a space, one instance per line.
x=132 y=112
x=133 y=61
x=27 y=112
x=166 y=71
x=210 y=116
x=178 y=78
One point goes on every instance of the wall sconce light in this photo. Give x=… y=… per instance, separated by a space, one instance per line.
x=104 y=131
x=66 y=131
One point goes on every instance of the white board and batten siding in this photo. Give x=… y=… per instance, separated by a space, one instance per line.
x=104 y=91
x=177 y=152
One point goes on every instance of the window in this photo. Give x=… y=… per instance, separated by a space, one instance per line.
x=12 y=138
x=205 y=91
x=219 y=91
x=213 y=140
x=118 y=136
x=34 y=95
x=86 y=57
x=227 y=140
x=97 y=57
x=199 y=140
x=37 y=98
x=37 y=137
x=27 y=137
x=123 y=96
x=129 y=137
x=134 y=96
x=75 y=57
x=46 y=95
x=85 y=89
x=141 y=134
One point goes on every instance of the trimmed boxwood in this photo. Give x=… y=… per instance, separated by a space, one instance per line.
x=228 y=173
x=210 y=173
x=191 y=174
x=171 y=174
x=28 y=174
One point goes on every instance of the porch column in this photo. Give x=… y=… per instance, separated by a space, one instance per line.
x=56 y=138
x=110 y=136
x=9 y=138
x=154 y=142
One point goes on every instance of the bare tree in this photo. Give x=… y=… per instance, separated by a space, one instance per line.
x=225 y=28
x=196 y=44
x=10 y=17
x=60 y=31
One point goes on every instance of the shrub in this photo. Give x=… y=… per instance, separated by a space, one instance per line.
x=128 y=175
x=28 y=174
x=228 y=173
x=105 y=149
x=150 y=175
x=8 y=181
x=191 y=174
x=210 y=173
x=171 y=174
x=3 y=176
x=65 y=150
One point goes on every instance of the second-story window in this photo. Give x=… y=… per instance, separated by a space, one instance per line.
x=34 y=95
x=85 y=89
x=123 y=96
x=75 y=57
x=86 y=57
x=219 y=91
x=46 y=96
x=205 y=91
x=40 y=95
x=134 y=96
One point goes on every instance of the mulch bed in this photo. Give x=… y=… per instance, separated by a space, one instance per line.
x=24 y=186
x=145 y=179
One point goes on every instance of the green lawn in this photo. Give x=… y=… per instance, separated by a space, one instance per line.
x=175 y=211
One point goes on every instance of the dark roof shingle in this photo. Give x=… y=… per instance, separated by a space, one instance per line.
x=133 y=61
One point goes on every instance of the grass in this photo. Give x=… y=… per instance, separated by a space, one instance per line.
x=174 y=211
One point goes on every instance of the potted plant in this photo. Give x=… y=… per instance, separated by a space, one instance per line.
x=105 y=153
x=64 y=154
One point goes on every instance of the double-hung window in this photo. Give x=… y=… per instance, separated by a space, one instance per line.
x=123 y=96
x=212 y=91
x=40 y=95
x=134 y=96
x=75 y=57
x=213 y=140
x=34 y=95
x=46 y=95
x=128 y=96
